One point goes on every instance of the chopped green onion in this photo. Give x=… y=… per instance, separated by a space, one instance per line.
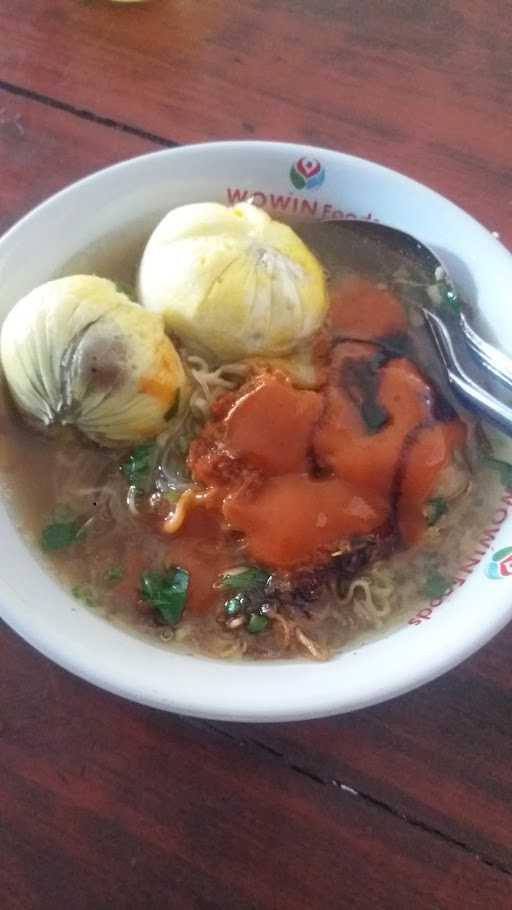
x=450 y=303
x=436 y=585
x=235 y=605
x=167 y=592
x=62 y=534
x=257 y=623
x=139 y=464
x=245 y=578
x=435 y=509
x=84 y=593
x=114 y=574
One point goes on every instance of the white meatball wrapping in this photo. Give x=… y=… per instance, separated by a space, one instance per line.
x=231 y=281
x=77 y=351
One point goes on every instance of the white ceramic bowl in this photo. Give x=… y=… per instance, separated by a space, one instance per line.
x=287 y=180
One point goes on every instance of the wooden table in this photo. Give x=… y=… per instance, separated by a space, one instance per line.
x=107 y=805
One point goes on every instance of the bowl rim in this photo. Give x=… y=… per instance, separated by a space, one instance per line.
x=320 y=703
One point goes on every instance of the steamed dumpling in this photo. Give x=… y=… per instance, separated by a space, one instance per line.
x=231 y=281
x=77 y=351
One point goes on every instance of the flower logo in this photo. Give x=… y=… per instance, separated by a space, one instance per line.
x=500 y=565
x=307 y=174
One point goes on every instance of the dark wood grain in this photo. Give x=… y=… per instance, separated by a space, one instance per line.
x=106 y=804
x=43 y=149
x=439 y=756
x=422 y=87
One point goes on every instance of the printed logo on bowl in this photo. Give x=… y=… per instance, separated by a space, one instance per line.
x=307 y=174
x=500 y=565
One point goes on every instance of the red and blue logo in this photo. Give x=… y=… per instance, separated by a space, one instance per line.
x=307 y=174
x=500 y=565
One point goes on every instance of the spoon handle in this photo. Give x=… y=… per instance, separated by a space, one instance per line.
x=494 y=360
x=487 y=405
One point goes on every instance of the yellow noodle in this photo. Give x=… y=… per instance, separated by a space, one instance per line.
x=188 y=499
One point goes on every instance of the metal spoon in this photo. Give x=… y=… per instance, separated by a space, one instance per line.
x=478 y=372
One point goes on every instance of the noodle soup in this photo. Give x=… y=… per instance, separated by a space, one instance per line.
x=222 y=537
